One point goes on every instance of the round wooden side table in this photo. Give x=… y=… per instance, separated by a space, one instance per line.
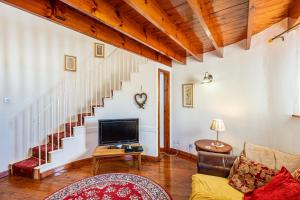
x=205 y=145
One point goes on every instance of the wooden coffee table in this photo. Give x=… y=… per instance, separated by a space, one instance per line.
x=104 y=152
x=205 y=145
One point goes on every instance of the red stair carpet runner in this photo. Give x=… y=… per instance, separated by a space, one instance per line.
x=113 y=186
x=26 y=167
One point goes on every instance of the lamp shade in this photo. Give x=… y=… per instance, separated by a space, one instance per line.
x=217 y=125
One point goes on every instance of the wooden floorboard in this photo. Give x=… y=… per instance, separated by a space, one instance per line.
x=173 y=173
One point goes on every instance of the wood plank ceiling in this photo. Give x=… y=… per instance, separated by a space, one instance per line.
x=166 y=30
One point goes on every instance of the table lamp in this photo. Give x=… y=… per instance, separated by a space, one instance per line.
x=217 y=125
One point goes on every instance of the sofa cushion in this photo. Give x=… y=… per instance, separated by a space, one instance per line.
x=289 y=161
x=260 y=154
x=249 y=175
x=282 y=186
x=213 y=188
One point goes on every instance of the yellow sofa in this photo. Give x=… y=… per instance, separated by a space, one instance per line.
x=207 y=187
x=210 y=184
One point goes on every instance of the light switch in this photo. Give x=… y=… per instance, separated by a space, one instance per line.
x=6 y=100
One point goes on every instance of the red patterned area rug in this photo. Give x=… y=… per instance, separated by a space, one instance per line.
x=120 y=186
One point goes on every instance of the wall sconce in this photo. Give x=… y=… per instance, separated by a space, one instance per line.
x=208 y=78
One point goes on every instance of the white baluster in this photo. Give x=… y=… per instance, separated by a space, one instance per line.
x=96 y=82
x=70 y=107
x=91 y=87
x=45 y=132
x=76 y=99
x=64 y=106
x=104 y=78
x=39 y=133
x=110 y=76
x=52 y=121
x=58 y=122
x=81 y=94
x=86 y=89
x=119 y=70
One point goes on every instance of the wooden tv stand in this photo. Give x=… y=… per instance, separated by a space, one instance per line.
x=104 y=152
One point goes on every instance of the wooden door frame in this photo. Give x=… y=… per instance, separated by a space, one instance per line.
x=167 y=101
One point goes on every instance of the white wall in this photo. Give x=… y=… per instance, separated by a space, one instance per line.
x=253 y=92
x=123 y=106
x=31 y=62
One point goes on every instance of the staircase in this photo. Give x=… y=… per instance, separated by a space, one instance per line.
x=57 y=119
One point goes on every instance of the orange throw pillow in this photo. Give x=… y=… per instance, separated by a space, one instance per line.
x=249 y=175
x=296 y=174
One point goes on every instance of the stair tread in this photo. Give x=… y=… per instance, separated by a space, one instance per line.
x=29 y=163
x=85 y=114
x=82 y=115
x=43 y=147
x=57 y=137
x=61 y=135
x=72 y=123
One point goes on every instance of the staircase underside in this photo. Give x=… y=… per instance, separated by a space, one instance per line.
x=39 y=154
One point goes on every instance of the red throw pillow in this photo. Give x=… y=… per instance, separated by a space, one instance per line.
x=248 y=175
x=282 y=187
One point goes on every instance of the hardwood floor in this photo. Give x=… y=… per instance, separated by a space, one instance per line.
x=173 y=173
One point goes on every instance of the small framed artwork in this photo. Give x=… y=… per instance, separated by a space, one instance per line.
x=187 y=95
x=99 y=50
x=70 y=63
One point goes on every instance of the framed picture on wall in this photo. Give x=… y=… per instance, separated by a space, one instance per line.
x=99 y=50
x=187 y=95
x=70 y=63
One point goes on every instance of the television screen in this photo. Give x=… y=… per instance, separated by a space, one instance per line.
x=118 y=131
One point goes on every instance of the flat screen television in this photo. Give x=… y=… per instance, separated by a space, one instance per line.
x=118 y=131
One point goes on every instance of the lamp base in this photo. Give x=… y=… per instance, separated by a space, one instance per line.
x=217 y=144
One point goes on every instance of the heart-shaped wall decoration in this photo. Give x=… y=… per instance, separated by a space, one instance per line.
x=140 y=99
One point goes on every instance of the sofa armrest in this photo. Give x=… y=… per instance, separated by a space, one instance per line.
x=215 y=164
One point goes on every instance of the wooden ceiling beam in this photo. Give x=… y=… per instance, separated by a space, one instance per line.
x=294 y=13
x=64 y=15
x=151 y=10
x=103 y=11
x=250 y=23
x=196 y=7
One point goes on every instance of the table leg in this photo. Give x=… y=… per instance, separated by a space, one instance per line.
x=97 y=166
x=94 y=165
x=140 y=161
